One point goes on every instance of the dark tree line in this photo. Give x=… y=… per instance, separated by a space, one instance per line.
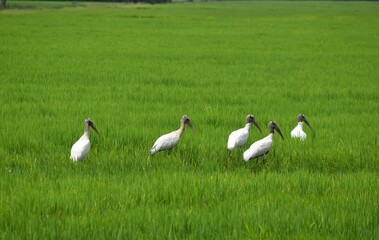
x=3 y=3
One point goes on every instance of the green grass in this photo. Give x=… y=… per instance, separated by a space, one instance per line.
x=136 y=69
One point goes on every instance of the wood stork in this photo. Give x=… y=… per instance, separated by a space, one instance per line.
x=263 y=146
x=81 y=148
x=170 y=140
x=298 y=132
x=239 y=137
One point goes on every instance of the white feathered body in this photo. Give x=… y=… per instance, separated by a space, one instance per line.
x=259 y=148
x=166 y=141
x=298 y=132
x=238 y=138
x=81 y=148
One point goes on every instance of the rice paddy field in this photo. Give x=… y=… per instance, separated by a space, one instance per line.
x=136 y=69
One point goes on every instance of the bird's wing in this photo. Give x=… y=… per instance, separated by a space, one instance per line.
x=303 y=136
x=264 y=147
x=237 y=138
x=257 y=149
x=295 y=132
x=165 y=142
x=80 y=149
x=298 y=133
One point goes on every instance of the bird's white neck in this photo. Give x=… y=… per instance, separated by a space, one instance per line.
x=300 y=125
x=247 y=126
x=271 y=135
x=86 y=130
x=182 y=128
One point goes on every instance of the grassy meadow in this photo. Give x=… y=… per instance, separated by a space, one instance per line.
x=136 y=69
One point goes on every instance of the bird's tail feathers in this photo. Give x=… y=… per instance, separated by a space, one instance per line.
x=246 y=156
x=152 y=151
x=230 y=145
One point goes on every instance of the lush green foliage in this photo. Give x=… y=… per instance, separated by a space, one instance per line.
x=135 y=69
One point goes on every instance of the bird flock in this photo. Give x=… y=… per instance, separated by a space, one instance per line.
x=237 y=139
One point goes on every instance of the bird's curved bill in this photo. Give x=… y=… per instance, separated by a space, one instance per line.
x=280 y=132
x=94 y=128
x=257 y=125
x=190 y=125
x=309 y=125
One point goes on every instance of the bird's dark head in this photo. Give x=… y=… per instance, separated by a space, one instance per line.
x=251 y=119
x=89 y=122
x=186 y=120
x=273 y=126
x=301 y=118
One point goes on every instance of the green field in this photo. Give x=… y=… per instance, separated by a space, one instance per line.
x=136 y=69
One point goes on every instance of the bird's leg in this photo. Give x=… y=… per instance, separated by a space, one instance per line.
x=246 y=163
x=264 y=159
x=240 y=153
x=229 y=159
x=169 y=151
x=256 y=163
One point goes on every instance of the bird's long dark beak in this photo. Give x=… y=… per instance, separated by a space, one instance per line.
x=94 y=128
x=306 y=122
x=190 y=125
x=257 y=125
x=278 y=130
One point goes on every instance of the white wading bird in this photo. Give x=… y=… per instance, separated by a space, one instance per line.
x=298 y=132
x=263 y=146
x=170 y=140
x=81 y=148
x=239 y=137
